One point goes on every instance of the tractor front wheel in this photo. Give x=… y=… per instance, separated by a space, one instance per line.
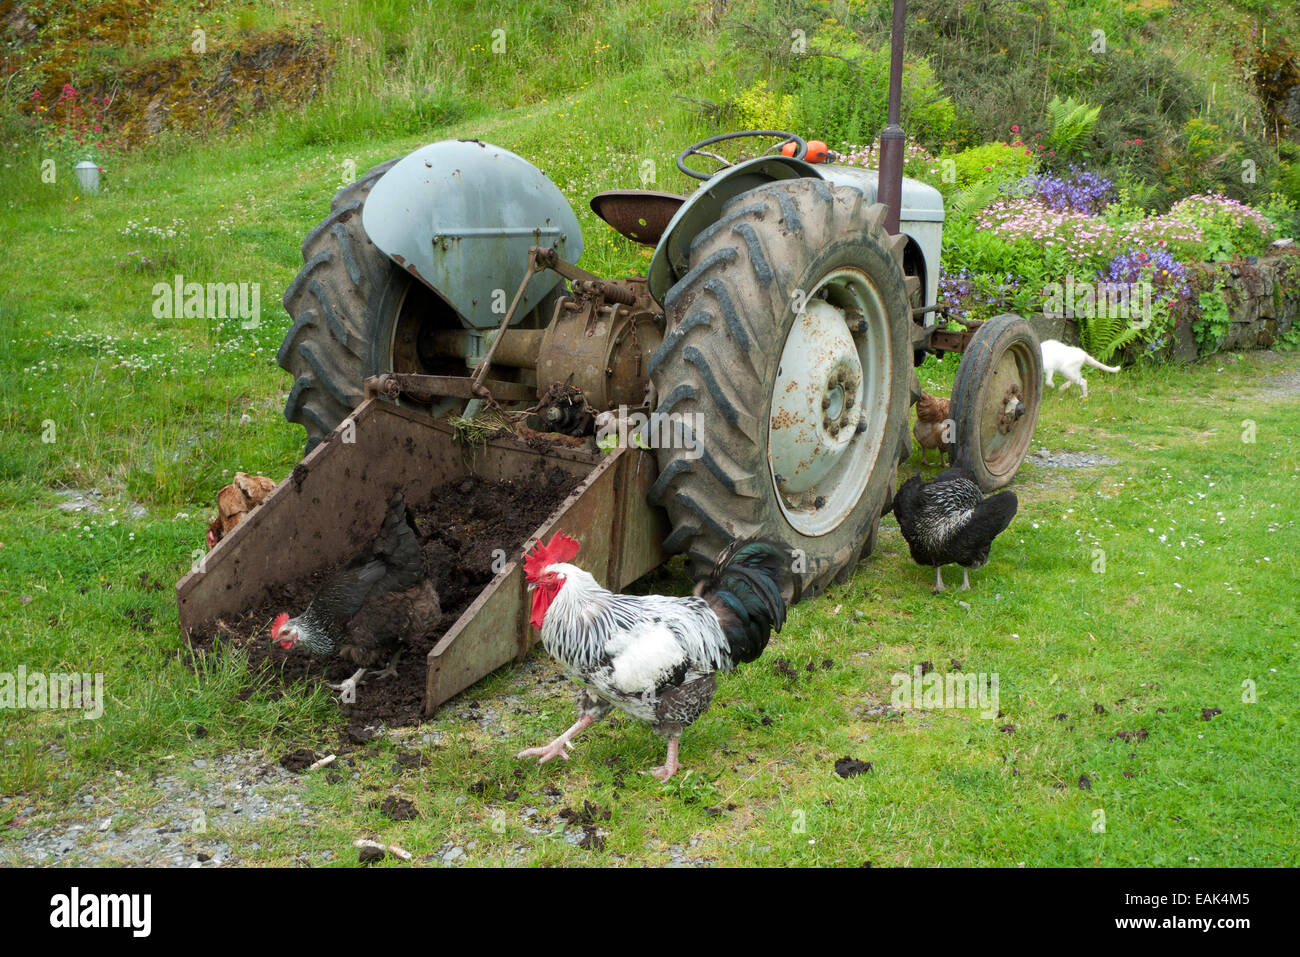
x=995 y=399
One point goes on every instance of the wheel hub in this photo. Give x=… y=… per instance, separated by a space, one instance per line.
x=824 y=404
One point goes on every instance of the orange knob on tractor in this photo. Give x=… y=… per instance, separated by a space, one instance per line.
x=818 y=152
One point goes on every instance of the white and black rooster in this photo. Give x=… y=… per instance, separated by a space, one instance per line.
x=654 y=656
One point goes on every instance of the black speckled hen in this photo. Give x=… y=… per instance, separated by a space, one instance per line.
x=365 y=611
x=949 y=521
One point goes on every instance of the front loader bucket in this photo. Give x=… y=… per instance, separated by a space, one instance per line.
x=331 y=506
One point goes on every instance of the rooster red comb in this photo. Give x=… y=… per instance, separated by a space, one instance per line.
x=279 y=623
x=560 y=549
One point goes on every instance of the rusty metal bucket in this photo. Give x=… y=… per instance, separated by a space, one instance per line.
x=334 y=500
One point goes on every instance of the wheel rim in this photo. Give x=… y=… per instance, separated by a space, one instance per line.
x=409 y=348
x=404 y=344
x=830 y=403
x=1004 y=437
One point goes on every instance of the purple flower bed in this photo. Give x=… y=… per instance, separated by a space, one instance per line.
x=971 y=295
x=1055 y=227
x=1169 y=291
x=1167 y=276
x=1080 y=190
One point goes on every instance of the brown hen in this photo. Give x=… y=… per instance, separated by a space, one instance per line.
x=235 y=501
x=932 y=422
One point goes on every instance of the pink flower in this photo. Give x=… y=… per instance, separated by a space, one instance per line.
x=1015 y=129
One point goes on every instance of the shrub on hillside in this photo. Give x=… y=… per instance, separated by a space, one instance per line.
x=992 y=162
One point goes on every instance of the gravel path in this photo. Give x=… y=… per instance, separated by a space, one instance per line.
x=182 y=819
x=1070 y=460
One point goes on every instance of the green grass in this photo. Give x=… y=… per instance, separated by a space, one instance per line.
x=1197 y=526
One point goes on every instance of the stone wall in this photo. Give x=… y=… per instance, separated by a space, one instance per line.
x=1262 y=293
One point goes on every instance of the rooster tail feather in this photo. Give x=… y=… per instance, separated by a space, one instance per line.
x=746 y=590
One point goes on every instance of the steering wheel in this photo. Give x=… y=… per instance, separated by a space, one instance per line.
x=697 y=149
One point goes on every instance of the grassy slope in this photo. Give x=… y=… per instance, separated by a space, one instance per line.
x=149 y=412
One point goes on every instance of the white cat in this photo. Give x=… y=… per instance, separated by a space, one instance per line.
x=1069 y=361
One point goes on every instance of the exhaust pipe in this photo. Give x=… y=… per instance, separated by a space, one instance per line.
x=890 y=190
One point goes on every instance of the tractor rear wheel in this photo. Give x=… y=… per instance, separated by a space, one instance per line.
x=330 y=347
x=786 y=368
x=355 y=314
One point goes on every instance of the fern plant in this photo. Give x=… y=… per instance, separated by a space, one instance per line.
x=974 y=198
x=1103 y=335
x=1070 y=123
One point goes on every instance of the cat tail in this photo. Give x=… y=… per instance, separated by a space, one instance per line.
x=1097 y=365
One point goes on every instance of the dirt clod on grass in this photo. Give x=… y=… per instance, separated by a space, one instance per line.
x=586 y=818
x=396 y=809
x=299 y=759
x=1130 y=737
x=588 y=814
x=783 y=667
x=460 y=525
x=847 y=767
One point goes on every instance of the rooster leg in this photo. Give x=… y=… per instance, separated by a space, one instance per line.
x=938 y=579
x=965 y=579
x=348 y=689
x=560 y=746
x=391 y=670
x=670 y=765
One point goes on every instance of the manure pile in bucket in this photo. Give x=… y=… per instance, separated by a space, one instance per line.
x=460 y=525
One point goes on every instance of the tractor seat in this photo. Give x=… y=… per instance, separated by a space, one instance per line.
x=641 y=215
